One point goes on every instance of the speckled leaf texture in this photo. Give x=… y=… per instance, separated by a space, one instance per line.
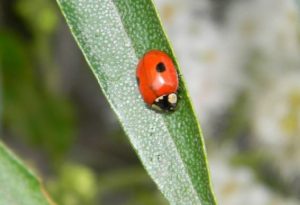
x=18 y=186
x=114 y=35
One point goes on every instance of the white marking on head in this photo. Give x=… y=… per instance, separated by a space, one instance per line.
x=172 y=98
x=159 y=98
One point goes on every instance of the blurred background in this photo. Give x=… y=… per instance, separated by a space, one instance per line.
x=241 y=62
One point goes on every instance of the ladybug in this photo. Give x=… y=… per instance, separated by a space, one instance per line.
x=157 y=80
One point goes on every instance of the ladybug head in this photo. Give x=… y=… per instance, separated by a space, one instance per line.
x=165 y=102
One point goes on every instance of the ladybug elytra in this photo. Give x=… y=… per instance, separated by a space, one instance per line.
x=158 y=80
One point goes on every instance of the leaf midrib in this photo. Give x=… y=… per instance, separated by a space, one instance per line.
x=163 y=119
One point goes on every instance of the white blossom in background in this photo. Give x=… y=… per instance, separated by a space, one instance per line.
x=277 y=112
x=276 y=122
x=275 y=103
x=270 y=27
x=236 y=186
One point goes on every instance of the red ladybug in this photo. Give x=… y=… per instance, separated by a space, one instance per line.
x=158 y=80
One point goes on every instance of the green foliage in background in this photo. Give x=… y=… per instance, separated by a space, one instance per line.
x=113 y=36
x=76 y=185
x=32 y=106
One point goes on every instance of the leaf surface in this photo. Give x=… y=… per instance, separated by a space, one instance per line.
x=18 y=186
x=113 y=36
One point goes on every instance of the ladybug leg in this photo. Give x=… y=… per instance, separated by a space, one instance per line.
x=156 y=107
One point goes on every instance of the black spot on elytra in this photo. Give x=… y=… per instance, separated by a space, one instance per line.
x=138 y=80
x=160 y=67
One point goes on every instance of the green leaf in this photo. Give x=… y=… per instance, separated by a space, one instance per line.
x=18 y=186
x=113 y=36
